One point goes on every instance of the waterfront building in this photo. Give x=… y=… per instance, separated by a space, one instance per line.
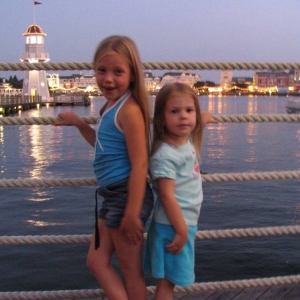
x=35 y=82
x=187 y=78
x=53 y=81
x=271 y=79
x=87 y=82
x=242 y=81
x=294 y=81
x=73 y=83
x=6 y=89
x=152 y=83
x=225 y=79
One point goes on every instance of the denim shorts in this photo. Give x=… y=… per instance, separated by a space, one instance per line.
x=114 y=200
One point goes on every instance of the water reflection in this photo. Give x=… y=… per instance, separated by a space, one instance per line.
x=298 y=139
x=40 y=196
x=215 y=137
x=33 y=142
x=43 y=223
x=251 y=138
x=252 y=105
x=96 y=104
x=2 y=151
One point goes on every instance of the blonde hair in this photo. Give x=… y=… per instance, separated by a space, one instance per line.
x=159 y=129
x=127 y=48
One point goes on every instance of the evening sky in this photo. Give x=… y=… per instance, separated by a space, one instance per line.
x=164 y=30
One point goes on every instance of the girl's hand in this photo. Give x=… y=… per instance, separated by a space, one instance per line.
x=68 y=119
x=133 y=229
x=177 y=244
x=207 y=118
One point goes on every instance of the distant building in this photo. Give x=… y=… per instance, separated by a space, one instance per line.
x=187 y=78
x=74 y=82
x=7 y=90
x=53 y=81
x=242 y=80
x=226 y=78
x=87 y=82
x=152 y=83
x=295 y=78
x=279 y=79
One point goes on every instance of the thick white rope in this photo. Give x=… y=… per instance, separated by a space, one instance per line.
x=196 y=287
x=180 y=66
x=202 y=235
x=226 y=177
x=40 y=182
x=93 y=120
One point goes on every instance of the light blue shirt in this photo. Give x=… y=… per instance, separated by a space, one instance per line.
x=111 y=161
x=181 y=164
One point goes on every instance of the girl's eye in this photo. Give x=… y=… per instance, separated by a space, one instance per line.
x=174 y=111
x=118 y=72
x=190 y=110
x=100 y=70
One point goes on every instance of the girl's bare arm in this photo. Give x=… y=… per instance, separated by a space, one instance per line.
x=166 y=189
x=207 y=118
x=132 y=123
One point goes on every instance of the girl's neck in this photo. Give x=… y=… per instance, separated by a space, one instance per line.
x=111 y=103
x=176 y=141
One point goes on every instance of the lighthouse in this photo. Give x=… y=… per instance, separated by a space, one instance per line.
x=35 y=82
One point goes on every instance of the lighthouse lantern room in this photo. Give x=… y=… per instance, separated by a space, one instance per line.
x=35 y=82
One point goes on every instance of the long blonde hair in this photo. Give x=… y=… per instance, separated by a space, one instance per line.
x=159 y=129
x=127 y=48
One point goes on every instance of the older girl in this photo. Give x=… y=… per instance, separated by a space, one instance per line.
x=120 y=165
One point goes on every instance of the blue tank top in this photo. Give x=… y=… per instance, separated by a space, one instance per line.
x=111 y=161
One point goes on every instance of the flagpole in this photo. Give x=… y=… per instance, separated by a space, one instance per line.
x=33 y=12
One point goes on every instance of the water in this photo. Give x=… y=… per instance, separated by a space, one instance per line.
x=60 y=152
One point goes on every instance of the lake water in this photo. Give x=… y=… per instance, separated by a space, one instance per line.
x=60 y=152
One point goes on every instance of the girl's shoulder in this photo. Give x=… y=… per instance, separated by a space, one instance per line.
x=131 y=105
x=165 y=150
x=131 y=115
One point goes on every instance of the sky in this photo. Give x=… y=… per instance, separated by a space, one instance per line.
x=164 y=30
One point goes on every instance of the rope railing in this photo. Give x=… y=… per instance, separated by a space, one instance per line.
x=226 y=177
x=201 y=235
x=222 y=119
x=58 y=66
x=196 y=287
x=204 y=234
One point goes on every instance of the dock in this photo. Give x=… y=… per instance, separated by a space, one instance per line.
x=71 y=99
x=289 y=292
x=285 y=292
x=12 y=104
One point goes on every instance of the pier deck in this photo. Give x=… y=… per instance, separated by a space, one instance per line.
x=281 y=292
x=286 y=292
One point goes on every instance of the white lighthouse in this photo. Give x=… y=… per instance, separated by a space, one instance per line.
x=35 y=82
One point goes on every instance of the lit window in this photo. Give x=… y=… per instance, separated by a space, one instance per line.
x=33 y=39
x=39 y=40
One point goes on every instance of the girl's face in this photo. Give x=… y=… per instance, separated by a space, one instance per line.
x=180 y=118
x=113 y=76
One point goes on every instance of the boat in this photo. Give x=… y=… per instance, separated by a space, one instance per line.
x=293 y=107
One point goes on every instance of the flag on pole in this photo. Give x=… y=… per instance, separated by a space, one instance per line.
x=36 y=3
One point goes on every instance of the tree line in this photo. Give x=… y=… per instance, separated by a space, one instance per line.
x=14 y=82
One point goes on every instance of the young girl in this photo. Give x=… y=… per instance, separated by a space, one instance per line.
x=174 y=166
x=120 y=165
